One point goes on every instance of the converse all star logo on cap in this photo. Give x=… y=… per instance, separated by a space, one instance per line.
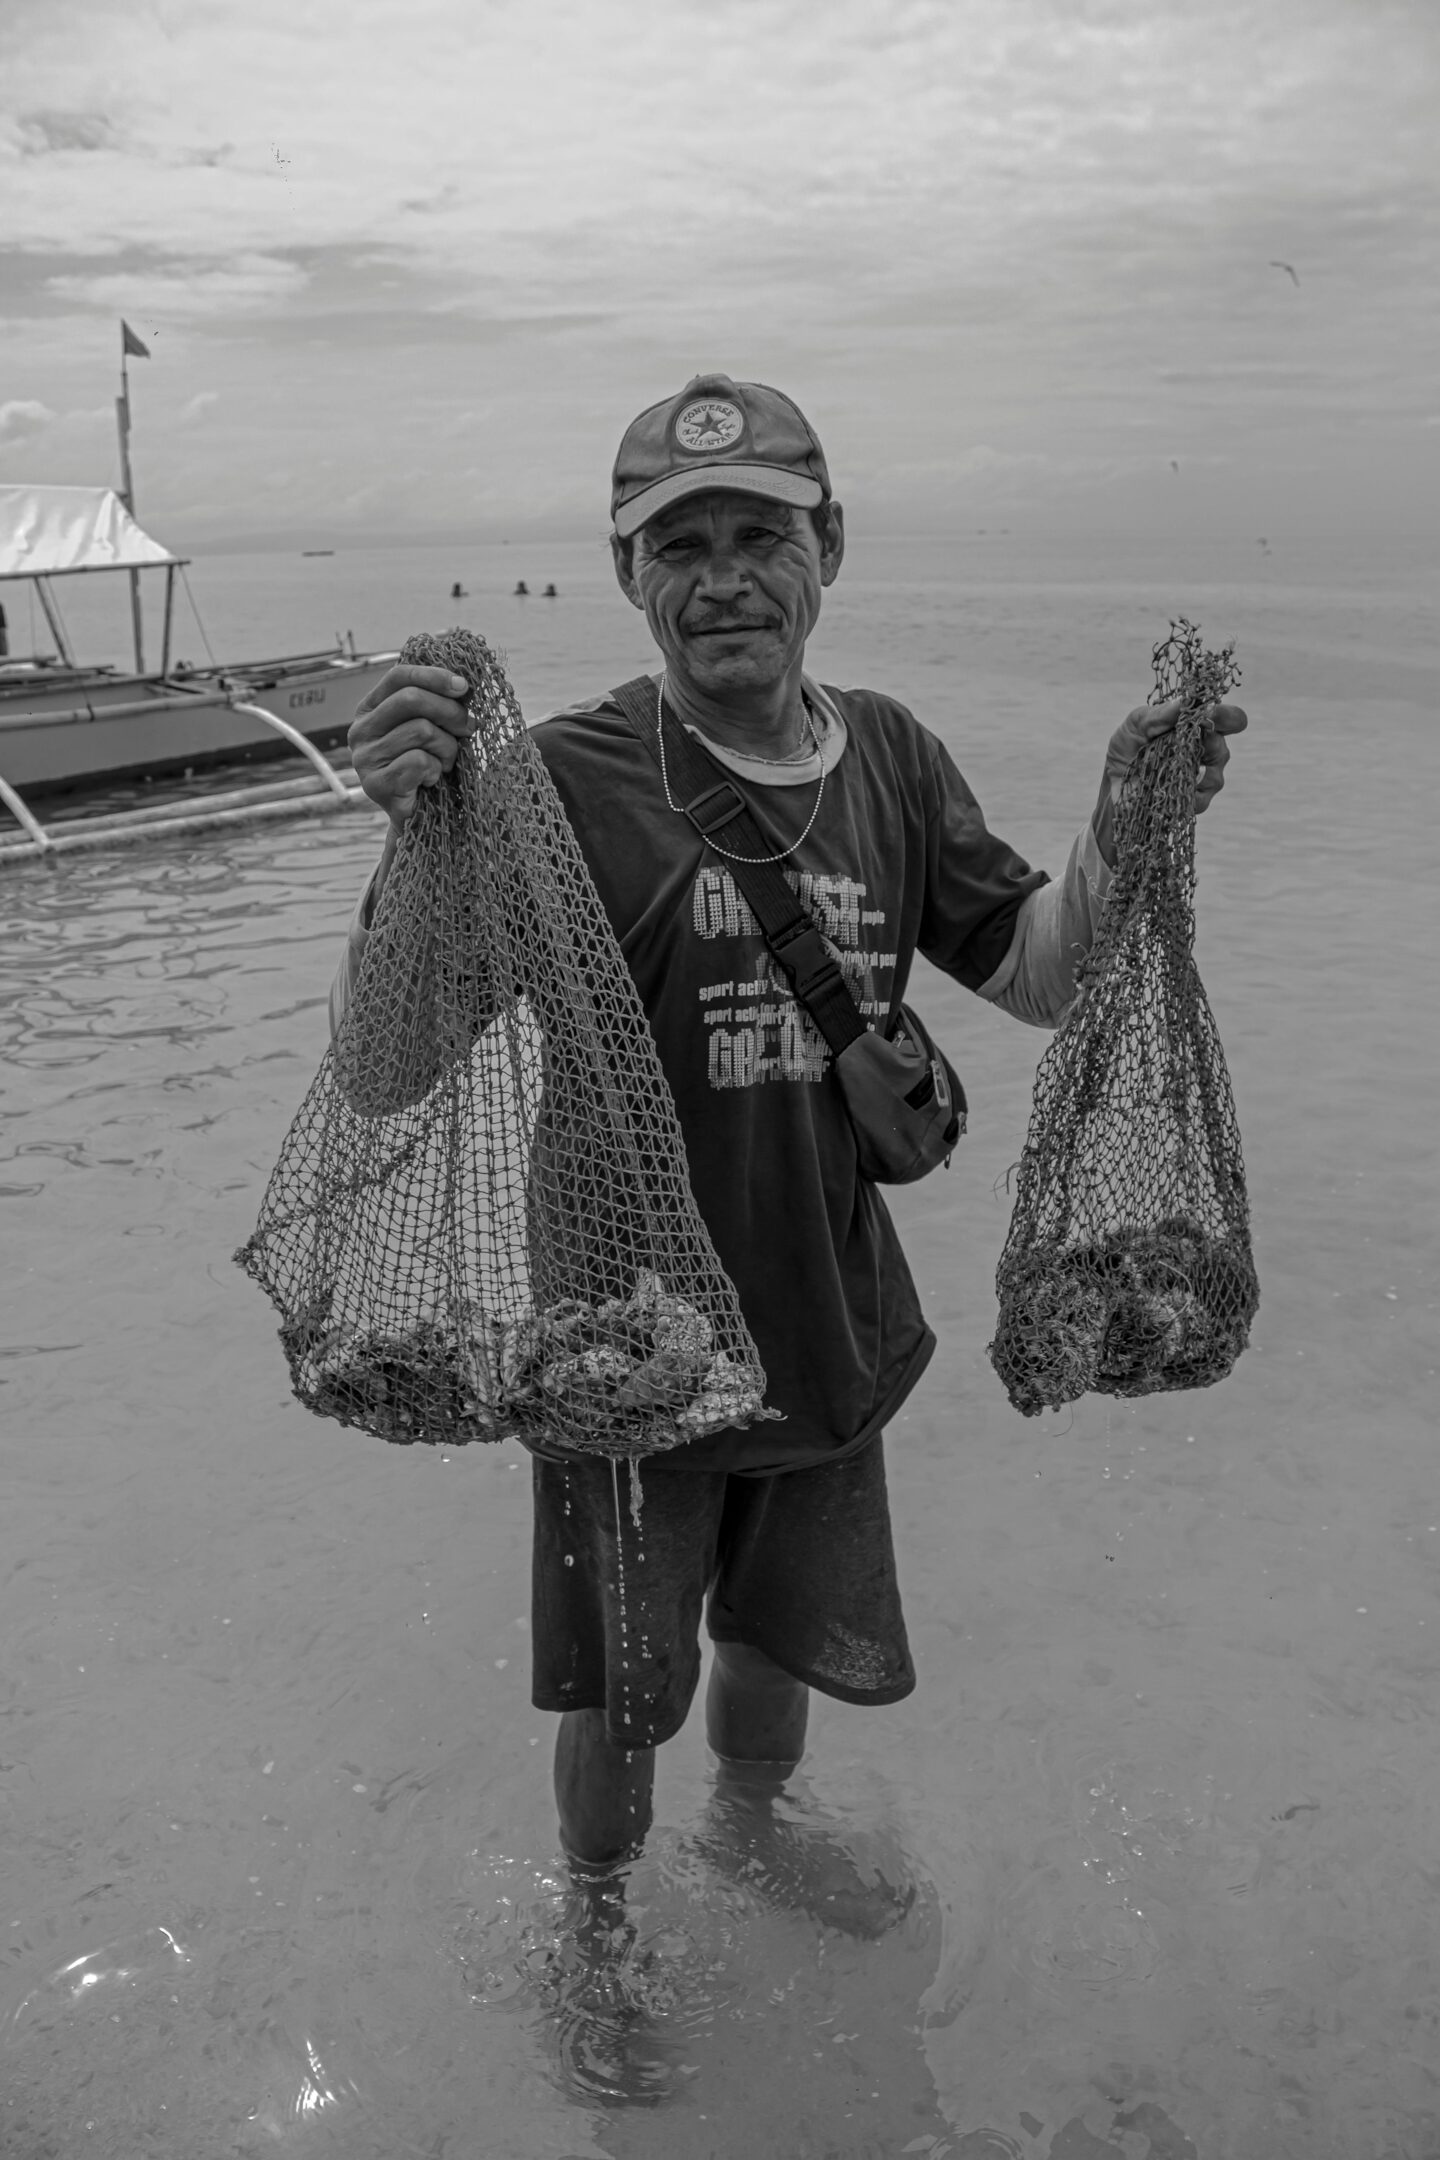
x=742 y=436
x=709 y=424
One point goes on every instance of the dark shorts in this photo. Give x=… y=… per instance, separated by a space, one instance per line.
x=799 y=1565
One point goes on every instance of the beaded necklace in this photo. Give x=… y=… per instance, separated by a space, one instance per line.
x=711 y=841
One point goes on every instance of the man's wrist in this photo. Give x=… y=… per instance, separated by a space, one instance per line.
x=1102 y=823
x=365 y=913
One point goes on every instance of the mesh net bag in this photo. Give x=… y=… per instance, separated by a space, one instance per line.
x=1128 y=1269
x=481 y=1222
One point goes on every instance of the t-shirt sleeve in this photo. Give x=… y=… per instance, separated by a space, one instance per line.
x=1056 y=928
x=975 y=883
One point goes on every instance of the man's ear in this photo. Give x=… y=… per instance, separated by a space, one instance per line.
x=832 y=544
x=622 y=554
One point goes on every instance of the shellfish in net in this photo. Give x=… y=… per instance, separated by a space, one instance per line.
x=481 y=1223
x=1128 y=1268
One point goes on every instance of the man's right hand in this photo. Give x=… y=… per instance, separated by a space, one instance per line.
x=405 y=735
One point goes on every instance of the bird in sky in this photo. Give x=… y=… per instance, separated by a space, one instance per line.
x=1288 y=268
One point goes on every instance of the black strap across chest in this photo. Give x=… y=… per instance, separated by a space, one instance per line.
x=706 y=794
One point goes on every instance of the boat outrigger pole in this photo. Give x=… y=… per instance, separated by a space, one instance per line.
x=129 y=343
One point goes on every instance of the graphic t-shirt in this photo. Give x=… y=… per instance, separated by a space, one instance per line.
x=899 y=860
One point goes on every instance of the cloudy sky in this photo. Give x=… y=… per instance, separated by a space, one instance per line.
x=408 y=266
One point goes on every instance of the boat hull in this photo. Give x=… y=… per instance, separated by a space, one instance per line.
x=63 y=731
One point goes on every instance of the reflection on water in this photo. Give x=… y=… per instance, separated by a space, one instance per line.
x=99 y=1974
x=310 y=2098
x=1151 y=1854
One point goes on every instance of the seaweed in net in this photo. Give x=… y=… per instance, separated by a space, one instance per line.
x=481 y=1223
x=1128 y=1267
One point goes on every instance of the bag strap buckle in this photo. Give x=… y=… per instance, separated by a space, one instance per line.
x=714 y=808
x=805 y=957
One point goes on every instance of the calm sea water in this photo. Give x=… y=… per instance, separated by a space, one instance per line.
x=279 y=1856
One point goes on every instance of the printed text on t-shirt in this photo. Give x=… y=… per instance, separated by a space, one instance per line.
x=757 y=1029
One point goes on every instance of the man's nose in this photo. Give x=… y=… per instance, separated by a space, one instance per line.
x=723 y=576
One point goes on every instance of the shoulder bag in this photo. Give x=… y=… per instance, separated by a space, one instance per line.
x=905 y=1102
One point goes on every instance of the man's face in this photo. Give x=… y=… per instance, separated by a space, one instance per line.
x=730 y=585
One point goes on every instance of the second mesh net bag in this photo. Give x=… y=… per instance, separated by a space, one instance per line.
x=481 y=1221
x=1128 y=1267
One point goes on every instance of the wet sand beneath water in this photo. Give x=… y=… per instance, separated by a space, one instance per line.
x=280 y=1868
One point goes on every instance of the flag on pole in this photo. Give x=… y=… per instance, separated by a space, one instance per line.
x=129 y=343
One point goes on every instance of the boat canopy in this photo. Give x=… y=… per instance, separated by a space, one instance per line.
x=52 y=531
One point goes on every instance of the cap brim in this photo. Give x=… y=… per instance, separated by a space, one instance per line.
x=797 y=489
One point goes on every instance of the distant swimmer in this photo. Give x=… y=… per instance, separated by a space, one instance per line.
x=522 y=590
x=458 y=592
x=1288 y=268
x=550 y=593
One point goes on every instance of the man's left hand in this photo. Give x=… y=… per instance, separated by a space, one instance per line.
x=1140 y=728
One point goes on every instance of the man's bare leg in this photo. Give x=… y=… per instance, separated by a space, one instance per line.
x=755 y=1716
x=608 y=2045
x=605 y=1793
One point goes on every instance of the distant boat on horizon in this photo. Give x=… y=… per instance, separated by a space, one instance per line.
x=317 y=551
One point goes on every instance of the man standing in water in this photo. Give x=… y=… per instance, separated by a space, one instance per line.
x=726 y=536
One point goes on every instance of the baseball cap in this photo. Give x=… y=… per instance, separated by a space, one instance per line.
x=716 y=434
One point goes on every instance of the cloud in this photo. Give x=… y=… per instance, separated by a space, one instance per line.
x=435 y=128
x=985 y=458
x=45 y=134
x=21 y=420
x=200 y=403
x=192 y=287
x=1033 y=225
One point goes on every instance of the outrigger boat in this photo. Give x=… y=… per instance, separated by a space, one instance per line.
x=67 y=727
